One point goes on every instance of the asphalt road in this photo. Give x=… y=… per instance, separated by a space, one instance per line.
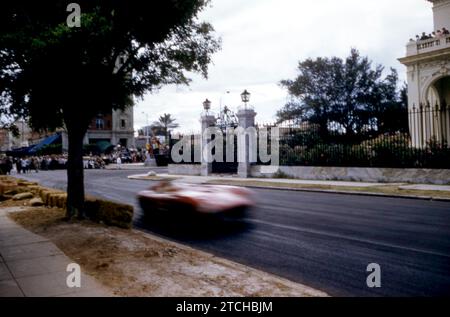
x=322 y=240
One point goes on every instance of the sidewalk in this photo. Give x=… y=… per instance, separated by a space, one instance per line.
x=421 y=191
x=32 y=266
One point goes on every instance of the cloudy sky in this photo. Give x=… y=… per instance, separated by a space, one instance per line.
x=263 y=40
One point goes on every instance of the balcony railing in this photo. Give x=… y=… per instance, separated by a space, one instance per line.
x=425 y=46
x=428 y=44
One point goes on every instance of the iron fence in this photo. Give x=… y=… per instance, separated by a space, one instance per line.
x=419 y=141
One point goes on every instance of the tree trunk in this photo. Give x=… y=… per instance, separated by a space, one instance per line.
x=75 y=173
x=166 y=135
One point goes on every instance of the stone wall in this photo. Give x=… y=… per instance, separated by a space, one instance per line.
x=384 y=175
x=185 y=169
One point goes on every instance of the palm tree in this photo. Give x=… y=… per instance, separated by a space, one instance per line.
x=166 y=122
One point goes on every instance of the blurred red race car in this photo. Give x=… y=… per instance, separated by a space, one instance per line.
x=193 y=199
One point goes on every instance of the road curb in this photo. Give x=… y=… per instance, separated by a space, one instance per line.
x=343 y=192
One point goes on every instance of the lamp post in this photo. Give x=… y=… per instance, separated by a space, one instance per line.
x=208 y=120
x=246 y=119
x=148 y=159
x=245 y=96
x=206 y=105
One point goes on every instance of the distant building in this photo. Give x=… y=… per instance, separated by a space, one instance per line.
x=428 y=70
x=27 y=137
x=5 y=139
x=115 y=127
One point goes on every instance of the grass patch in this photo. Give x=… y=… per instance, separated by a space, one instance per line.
x=381 y=189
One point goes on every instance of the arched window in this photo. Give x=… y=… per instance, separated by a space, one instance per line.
x=99 y=124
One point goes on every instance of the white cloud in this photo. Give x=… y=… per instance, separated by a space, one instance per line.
x=263 y=40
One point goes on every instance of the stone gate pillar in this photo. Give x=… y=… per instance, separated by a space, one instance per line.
x=246 y=117
x=208 y=120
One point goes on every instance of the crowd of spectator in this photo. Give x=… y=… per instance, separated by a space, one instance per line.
x=32 y=163
x=434 y=35
x=54 y=162
x=121 y=156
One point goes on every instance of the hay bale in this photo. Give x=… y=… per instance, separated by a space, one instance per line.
x=35 y=189
x=8 y=188
x=22 y=196
x=43 y=189
x=59 y=200
x=15 y=191
x=110 y=213
x=36 y=202
x=26 y=183
x=6 y=178
x=46 y=196
x=62 y=201
x=115 y=214
x=5 y=187
x=53 y=200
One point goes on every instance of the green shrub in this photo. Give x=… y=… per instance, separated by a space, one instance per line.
x=383 y=151
x=280 y=174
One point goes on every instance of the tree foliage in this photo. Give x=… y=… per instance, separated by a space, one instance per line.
x=348 y=92
x=167 y=121
x=47 y=66
x=56 y=75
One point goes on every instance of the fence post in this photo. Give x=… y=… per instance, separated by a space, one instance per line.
x=246 y=117
x=208 y=120
x=445 y=117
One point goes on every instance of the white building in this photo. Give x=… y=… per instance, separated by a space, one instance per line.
x=428 y=75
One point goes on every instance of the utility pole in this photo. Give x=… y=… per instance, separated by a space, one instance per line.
x=147 y=133
x=148 y=160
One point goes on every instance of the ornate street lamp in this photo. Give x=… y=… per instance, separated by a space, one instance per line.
x=206 y=105
x=245 y=96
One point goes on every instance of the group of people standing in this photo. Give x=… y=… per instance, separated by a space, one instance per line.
x=27 y=164
x=54 y=162
x=434 y=35
x=32 y=163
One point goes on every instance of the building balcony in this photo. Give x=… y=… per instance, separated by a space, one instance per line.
x=427 y=46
